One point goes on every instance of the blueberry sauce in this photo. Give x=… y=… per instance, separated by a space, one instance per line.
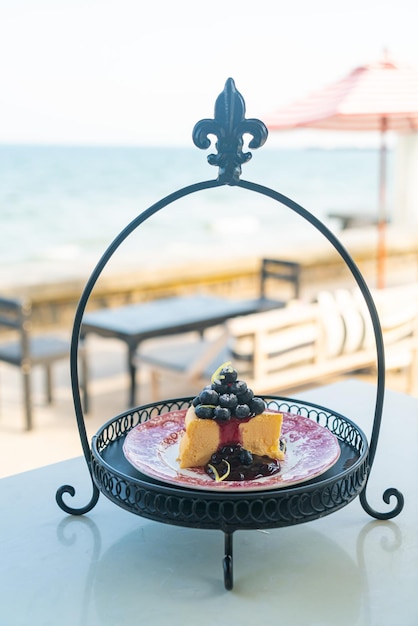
x=233 y=462
x=229 y=431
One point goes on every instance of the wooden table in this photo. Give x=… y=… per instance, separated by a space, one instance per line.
x=135 y=323
x=111 y=567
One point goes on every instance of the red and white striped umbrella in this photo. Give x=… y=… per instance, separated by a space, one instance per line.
x=381 y=96
x=372 y=97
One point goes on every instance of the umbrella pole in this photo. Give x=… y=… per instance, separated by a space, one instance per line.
x=382 y=217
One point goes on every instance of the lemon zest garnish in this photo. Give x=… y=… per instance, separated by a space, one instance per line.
x=228 y=471
x=215 y=472
x=215 y=375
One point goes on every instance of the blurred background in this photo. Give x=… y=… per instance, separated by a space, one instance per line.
x=98 y=102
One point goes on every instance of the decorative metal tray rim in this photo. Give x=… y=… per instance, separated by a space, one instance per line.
x=343 y=428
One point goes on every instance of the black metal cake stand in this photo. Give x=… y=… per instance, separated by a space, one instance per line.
x=118 y=480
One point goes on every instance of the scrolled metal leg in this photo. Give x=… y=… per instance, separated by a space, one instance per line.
x=74 y=363
x=227 y=563
x=389 y=493
x=71 y=510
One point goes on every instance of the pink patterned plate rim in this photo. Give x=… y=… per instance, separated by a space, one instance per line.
x=153 y=447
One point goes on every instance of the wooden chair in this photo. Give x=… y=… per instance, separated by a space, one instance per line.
x=275 y=276
x=25 y=352
x=282 y=271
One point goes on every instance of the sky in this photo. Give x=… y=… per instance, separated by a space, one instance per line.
x=136 y=72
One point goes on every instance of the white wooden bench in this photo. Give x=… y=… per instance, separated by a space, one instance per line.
x=300 y=344
x=306 y=343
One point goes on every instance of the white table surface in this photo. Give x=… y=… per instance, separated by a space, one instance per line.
x=113 y=568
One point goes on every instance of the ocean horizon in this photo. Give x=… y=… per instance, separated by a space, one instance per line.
x=62 y=206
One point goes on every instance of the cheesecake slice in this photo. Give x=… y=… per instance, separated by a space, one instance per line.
x=226 y=417
x=200 y=439
x=261 y=435
x=203 y=437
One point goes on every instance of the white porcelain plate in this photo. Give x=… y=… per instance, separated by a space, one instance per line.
x=153 y=447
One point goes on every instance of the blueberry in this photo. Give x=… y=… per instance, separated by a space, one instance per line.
x=204 y=412
x=245 y=457
x=246 y=397
x=228 y=375
x=239 y=387
x=229 y=400
x=226 y=450
x=196 y=401
x=257 y=406
x=208 y=396
x=219 y=387
x=242 y=411
x=221 y=413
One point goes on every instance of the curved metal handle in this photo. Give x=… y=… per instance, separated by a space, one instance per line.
x=392 y=492
x=75 y=338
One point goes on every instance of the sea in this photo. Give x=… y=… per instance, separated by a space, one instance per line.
x=61 y=207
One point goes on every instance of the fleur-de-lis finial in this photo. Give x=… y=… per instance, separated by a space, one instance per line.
x=229 y=125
